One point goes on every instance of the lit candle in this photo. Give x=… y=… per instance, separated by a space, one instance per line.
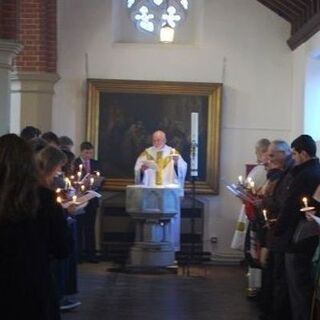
x=98 y=174
x=67 y=183
x=79 y=175
x=194 y=143
x=82 y=188
x=264 y=211
x=240 y=178
x=80 y=167
x=58 y=190
x=251 y=184
x=305 y=202
x=71 y=177
x=74 y=198
x=59 y=199
x=91 y=181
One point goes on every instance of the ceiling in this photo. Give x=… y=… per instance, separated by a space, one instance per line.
x=303 y=15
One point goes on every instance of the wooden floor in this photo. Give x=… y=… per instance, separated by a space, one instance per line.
x=218 y=293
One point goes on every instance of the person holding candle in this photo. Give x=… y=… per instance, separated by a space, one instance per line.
x=51 y=138
x=274 y=193
x=66 y=143
x=29 y=133
x=67 y=268
x=50 y=161
x=89 y=164
x=298 y=254
x=32 y=232
x=162 y=165
x=84 y=165
x=247 y=238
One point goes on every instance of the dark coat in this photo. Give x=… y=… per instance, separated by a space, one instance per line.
x=26 y=249
x=305 y=180
x=94 y=165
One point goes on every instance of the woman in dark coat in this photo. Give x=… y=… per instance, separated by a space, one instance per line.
x=32 y=230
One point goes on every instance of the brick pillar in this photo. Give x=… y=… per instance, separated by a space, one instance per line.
x=33 y=24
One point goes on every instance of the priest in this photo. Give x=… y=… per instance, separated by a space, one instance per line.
x=161 y=165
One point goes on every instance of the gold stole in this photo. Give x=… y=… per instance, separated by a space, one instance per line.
x=161 y=164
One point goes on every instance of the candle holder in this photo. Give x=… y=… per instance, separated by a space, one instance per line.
x=306 y=206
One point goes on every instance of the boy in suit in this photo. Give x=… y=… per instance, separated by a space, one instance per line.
x=86 y=221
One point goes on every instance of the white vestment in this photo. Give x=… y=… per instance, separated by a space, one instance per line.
x=162 y=171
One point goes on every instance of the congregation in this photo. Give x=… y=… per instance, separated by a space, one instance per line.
x=282 y=233
x=45 y=230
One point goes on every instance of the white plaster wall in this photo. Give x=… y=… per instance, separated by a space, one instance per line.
x=238 y=42
x=303 y=58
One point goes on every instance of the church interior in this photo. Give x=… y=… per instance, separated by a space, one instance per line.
x=250 y=68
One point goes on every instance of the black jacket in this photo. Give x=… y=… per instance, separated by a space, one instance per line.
x=305 y=180
x=26 y=249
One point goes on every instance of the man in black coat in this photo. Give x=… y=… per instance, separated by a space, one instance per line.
x=86 y=221
x=298 y=258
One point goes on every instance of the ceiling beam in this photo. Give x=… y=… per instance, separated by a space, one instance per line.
x=305 y=32
x=273 y=7
x=303 y=15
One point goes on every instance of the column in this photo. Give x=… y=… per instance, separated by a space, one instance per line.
x=31 y=100
x=8 y=50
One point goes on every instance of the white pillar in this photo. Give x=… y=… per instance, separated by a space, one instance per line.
x=31 y=100
x=8 y=50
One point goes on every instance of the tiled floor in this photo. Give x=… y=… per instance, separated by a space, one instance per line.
x=218 y=294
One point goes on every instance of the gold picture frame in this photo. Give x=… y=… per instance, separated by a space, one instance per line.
x=109 y=97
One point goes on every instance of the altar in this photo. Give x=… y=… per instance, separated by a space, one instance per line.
x=156 y=213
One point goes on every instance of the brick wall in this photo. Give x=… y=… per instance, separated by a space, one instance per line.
x=32 y=23
x=8 y=19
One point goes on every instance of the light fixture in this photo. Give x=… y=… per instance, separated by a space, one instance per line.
x=166 y=33
x=158 y=17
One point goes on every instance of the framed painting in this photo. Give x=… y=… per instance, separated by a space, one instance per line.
x=123 y=114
